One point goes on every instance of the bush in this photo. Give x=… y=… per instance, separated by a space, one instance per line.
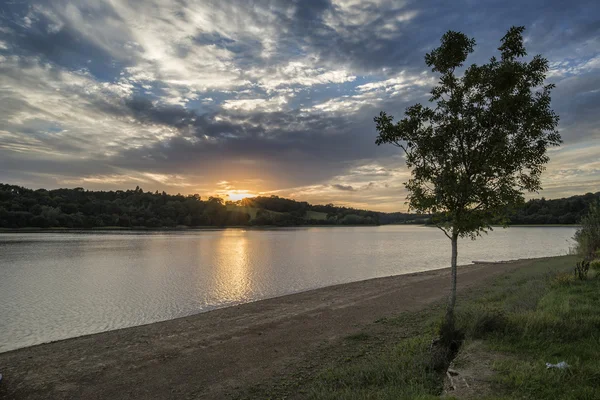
x=595 y=265
x=477 y=322
x=587 y=237
x=581 y=270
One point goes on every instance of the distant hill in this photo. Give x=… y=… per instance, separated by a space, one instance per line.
x=274 y=210
x=78 y=208
x=567 y=210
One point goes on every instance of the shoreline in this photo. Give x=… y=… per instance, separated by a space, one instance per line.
x=208 y=354
x=247 y=227
x=178 y=229
x=284 y=296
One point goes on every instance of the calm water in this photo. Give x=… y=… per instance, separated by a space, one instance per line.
x=60 y=285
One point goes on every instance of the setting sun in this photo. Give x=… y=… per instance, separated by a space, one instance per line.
x=239 y=195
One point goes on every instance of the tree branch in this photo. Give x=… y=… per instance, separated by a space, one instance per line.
x=443 y=230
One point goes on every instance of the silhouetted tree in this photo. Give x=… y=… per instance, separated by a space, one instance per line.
x=483 y=142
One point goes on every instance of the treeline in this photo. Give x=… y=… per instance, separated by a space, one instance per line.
x=568 y=210
x=79 y=208
x=276 y=210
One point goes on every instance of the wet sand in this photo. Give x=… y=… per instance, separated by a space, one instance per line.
x=215 y=354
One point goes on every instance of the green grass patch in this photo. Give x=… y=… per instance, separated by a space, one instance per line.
x=250 y=210
x=402 y=372
x=565 y=326
x=536 y=316
x=320 y=216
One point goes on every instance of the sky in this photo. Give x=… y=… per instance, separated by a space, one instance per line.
x=273 y=97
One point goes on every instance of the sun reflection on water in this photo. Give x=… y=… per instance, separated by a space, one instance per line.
x=233 y=269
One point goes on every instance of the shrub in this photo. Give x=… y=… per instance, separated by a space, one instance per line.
x=562 y=279
x=581 y=270
x=595 y=265
x=477 y=322
x=587 y=237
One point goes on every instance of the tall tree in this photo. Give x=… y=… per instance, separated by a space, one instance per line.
x=482 y=143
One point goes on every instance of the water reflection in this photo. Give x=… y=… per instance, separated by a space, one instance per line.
x=55 y=286
x=232 y=266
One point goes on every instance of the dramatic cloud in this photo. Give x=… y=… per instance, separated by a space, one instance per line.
x=222 y=97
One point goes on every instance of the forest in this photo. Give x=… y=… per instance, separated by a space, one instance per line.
x=78 y=208
x=568 y=210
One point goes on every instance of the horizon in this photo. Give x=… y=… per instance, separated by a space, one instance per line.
x=228 y=198
x=220 y=99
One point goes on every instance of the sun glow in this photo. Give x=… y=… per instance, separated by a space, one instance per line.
x=239 y=195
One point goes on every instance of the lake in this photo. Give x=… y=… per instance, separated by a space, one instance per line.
x=61 y=285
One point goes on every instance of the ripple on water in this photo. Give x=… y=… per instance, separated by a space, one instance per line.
x=56 y=286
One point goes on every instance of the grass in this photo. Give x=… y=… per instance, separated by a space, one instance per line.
x=401 y=372
x=564 y=326
x=543 y=315
x=320 y=216
x=520 y=321
x=249 y=210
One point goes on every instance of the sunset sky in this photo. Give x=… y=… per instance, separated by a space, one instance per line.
x=270 y=97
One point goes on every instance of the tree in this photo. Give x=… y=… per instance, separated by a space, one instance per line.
x=483 y=142
x=587 y=237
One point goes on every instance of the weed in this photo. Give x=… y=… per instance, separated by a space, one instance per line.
x=581 y=270
x=562 y=279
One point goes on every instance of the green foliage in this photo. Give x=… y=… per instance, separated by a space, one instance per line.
x=484 y=143
x=79 y=208
x=301 y=212
x=595 y=265
x=480 y=320
x=587 y=236
x=581 y=270
x=568 y=210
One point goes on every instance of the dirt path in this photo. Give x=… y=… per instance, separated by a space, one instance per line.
x=212 y=355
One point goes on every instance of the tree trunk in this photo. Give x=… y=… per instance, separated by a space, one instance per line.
x=452 y=296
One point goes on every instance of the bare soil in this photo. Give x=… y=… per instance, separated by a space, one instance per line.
x=221 y=353
x=470 y=375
